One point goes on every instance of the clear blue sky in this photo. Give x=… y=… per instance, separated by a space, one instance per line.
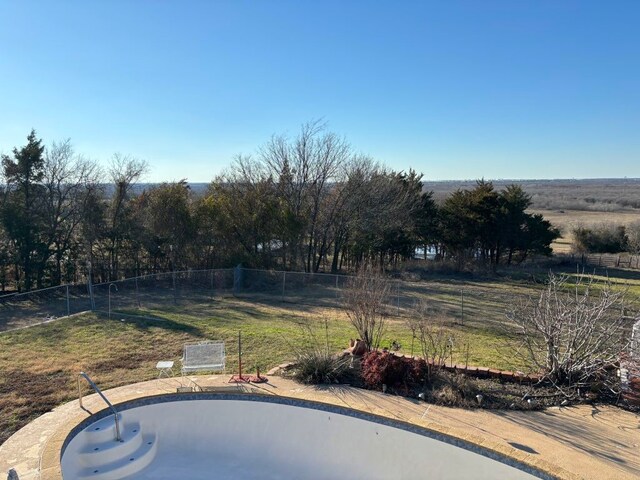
x=454 y=89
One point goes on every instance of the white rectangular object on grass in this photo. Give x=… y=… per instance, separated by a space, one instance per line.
x=200 y=357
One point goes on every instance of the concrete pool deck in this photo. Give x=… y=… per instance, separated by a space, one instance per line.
x=578 y=442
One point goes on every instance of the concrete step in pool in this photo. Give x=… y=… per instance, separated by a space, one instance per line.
x=103 y=458
x=105 y=451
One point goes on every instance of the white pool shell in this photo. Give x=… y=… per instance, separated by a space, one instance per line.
x=224 y=435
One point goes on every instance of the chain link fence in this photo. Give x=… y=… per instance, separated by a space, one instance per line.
x=460 y=304
x=154 y=291
x=463 y=304
x=20 y=310
x=162 y=290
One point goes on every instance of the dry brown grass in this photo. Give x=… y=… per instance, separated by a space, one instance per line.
x=567 y=220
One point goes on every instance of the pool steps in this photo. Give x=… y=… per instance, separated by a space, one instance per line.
x=103 y=458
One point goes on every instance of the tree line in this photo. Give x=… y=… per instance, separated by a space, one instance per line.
x=304 y=203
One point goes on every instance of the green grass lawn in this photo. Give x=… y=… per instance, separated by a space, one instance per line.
x=38 y=365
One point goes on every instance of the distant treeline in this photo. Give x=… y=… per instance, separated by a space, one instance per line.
x=305 y=203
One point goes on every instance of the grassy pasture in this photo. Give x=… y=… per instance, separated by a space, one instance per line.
x=602 y=195
x=567 y=220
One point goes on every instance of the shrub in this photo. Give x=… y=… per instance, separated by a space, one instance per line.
x=606 y=238
x=384 y=368
x=572 y=333
x=314 y=362
x=446 y=394
x=435 y=340
x=316 y=366
x=364 y=302
x=633 y=237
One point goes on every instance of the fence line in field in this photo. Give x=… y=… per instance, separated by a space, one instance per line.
x=608 y=260
x=463 y=304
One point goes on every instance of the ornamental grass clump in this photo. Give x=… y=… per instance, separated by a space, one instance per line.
x=314 y=362
x=316 y=366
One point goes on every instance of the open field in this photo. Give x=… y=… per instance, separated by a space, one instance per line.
x=596 y=194
x=567 y=220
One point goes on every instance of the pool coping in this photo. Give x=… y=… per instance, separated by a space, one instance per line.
x=35 y=449
x=50 y=467
x=313 y=405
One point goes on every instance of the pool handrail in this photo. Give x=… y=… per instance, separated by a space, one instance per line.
x=99 y=392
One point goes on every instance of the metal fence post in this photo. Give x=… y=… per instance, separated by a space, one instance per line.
x=237 y=279
x=137 y=293
x=92 y=300
x=462 y=306
x=175 y=294
x=284 y=282
x=68 y=306
x=398 y=297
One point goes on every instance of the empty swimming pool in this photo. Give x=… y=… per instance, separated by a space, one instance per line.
x=240 y=436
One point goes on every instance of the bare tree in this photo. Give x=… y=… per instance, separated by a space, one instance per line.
x=348 y=196
x=381 y=215
x=574 y=335
x=303 y=171
x=364 y=301
x=68 y=180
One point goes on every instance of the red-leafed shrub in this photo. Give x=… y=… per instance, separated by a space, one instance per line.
x=384 y=368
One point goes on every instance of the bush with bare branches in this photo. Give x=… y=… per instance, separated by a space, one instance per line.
x=436 y=341
x=364 y=302
x=572 y=334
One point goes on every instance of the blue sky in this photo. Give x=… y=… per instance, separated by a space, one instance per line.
x=453 y=89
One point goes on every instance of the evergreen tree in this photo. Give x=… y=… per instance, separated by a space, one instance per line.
x=21 y=213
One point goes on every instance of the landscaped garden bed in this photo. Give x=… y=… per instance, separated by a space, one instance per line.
x=448 y=385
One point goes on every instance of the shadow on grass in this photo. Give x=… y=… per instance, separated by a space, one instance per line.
x=236 y=313
x=144 y=320
x=613 y=273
